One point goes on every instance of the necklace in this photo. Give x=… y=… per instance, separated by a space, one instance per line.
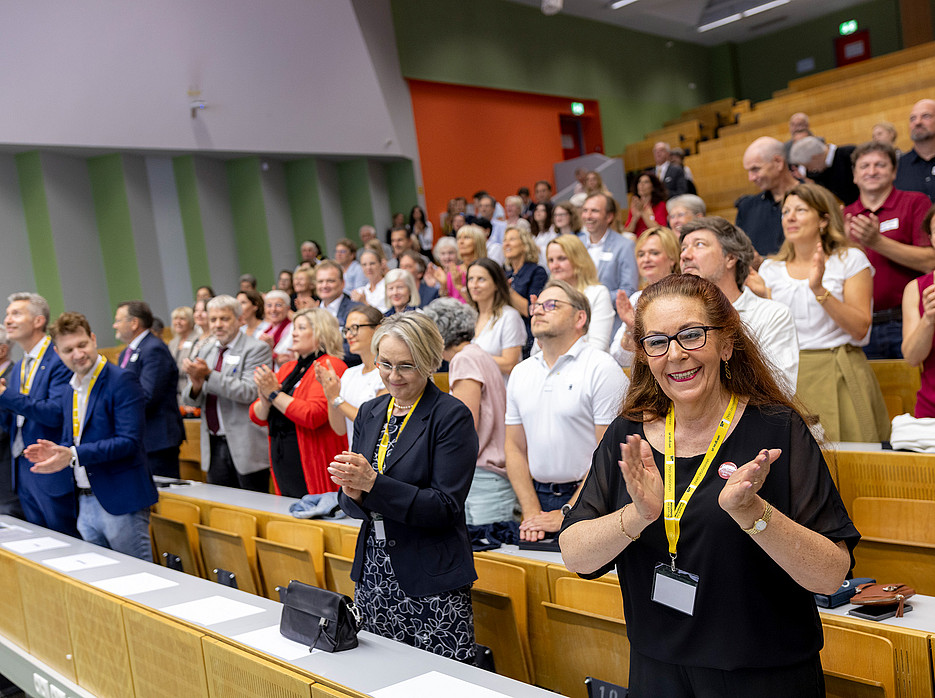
x=396 y=405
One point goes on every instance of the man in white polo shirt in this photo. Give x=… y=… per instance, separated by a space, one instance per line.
x=559 y=404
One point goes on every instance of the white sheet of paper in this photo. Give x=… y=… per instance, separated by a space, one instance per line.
x=435 y=683
x=212 y=610
x=270 y=641
x=35 y=545
x=11 y=527
x=131 y=584
x=82 y=561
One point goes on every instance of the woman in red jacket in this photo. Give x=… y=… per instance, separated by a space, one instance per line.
x=292 y=403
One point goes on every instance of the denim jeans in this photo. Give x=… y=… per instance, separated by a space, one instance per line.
x=125 y=533
x=553 y=495
x=886 y=341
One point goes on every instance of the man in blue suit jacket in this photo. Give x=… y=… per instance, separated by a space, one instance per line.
x=329 y=281
x=30 y=409
x=102 y=442
x=149 y=359
x=613 y=254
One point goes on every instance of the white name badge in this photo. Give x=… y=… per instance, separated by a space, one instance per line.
x=607 y=256
x=379 y=529
x=186 y=345
x=231 y=359
x=891 y=224
x=675 y=588
x=134 y=357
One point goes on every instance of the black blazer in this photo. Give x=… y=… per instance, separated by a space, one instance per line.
x=158 y=375
x=421 y=493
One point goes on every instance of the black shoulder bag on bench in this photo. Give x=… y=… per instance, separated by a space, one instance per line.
x=319 y=618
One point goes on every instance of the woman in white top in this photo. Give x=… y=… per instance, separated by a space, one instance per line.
x=657 y=256
x=828 y=284
x=251 y=312
x=276 y=330
x=374 y=291
x=359 y=383
x=186 y=334
x=500 y=330
x=569 y=261
x=422 y=229
x=542 y=230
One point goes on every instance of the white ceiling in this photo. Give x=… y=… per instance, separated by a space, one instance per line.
x=678 y=19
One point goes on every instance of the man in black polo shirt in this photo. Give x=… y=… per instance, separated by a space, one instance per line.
x=759 y=215
x=917 y=167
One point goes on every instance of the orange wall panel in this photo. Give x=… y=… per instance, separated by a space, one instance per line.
x=473 y=138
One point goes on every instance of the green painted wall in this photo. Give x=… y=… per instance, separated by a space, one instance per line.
x=39 y=230
x=401 y=185
x=638 y=79
x=354 y=185
x=248 y=210
x=768 y=64
x=304 y=201
x=115 y=228
x=186 y=183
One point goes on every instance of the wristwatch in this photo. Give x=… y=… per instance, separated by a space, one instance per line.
x=761 y=523
x=338 y=401
x=272 y=395
x=565 y=509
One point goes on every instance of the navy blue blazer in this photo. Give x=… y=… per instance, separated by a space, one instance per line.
x=42 y=409
x=158 y=375
x=111 y=448
x=421 y=492
x=426 y=294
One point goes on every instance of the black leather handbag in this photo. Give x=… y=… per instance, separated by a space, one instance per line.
x=319 y=618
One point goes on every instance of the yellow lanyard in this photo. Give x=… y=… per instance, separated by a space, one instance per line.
x=25 y=382
x=75 y=421
x=673 y=513
x=385 y=439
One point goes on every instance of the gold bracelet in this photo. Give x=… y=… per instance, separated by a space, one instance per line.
x=621 y=524
x=823 y=297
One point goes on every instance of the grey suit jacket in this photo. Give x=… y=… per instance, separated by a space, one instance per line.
x=235 y=390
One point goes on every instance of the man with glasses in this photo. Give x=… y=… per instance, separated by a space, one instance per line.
x=559 y=403
x=329 y=281
x=716 y=250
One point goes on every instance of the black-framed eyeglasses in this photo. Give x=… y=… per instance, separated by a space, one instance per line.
x=401 y=369
x=689 y=339
x=352 y=330
x=546 y=306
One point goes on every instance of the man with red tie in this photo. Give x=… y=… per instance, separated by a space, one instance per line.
x=234 y=450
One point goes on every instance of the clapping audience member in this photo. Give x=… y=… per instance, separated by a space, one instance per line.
x=500 y=330
x=292 y=404
x=345 y=254
x=475 y=380
x=277 y=328
x=566 y=219
x=200 y=316
x=550 y=433
x=657 y=256
x=647 y=206
x=359 y=383
x=447 y=273
x=402 y=294
x=374 y=291
x=421 y=227
x=407 y=482
x=415 y=264
x=919 y=329
x=284 y=281
x=570 y=262
x=776 y=521
x=541 y=228
x=253 y=308
x=234 y=451
x=304 y=283
x=182 y=344
x=611 y=252
x=828 y=285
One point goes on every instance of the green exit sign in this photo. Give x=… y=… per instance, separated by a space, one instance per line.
x=849 y=27
x=577 y=108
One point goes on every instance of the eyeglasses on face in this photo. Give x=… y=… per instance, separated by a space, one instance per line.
x=352 y=330
x=547 y=306
x=689 y=339
x=401 y=369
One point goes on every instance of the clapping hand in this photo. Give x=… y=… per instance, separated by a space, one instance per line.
x=816 y=271
x=644 y=484
x=328 y=378
x=740 y=490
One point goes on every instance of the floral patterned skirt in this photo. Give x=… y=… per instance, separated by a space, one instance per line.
x=441 y=623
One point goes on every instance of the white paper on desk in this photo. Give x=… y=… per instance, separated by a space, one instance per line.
x=12 y=527
x=269 y=640
x=81 y=561
x=35 y=545
x=435 y=683
x=212 y=610
x=131 y=584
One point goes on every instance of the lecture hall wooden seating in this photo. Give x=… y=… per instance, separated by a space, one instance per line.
x=854 y=661
x=501 y=615
x=228 y=544
x=290 y=551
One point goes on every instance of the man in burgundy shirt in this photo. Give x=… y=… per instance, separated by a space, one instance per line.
x=887 y=223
